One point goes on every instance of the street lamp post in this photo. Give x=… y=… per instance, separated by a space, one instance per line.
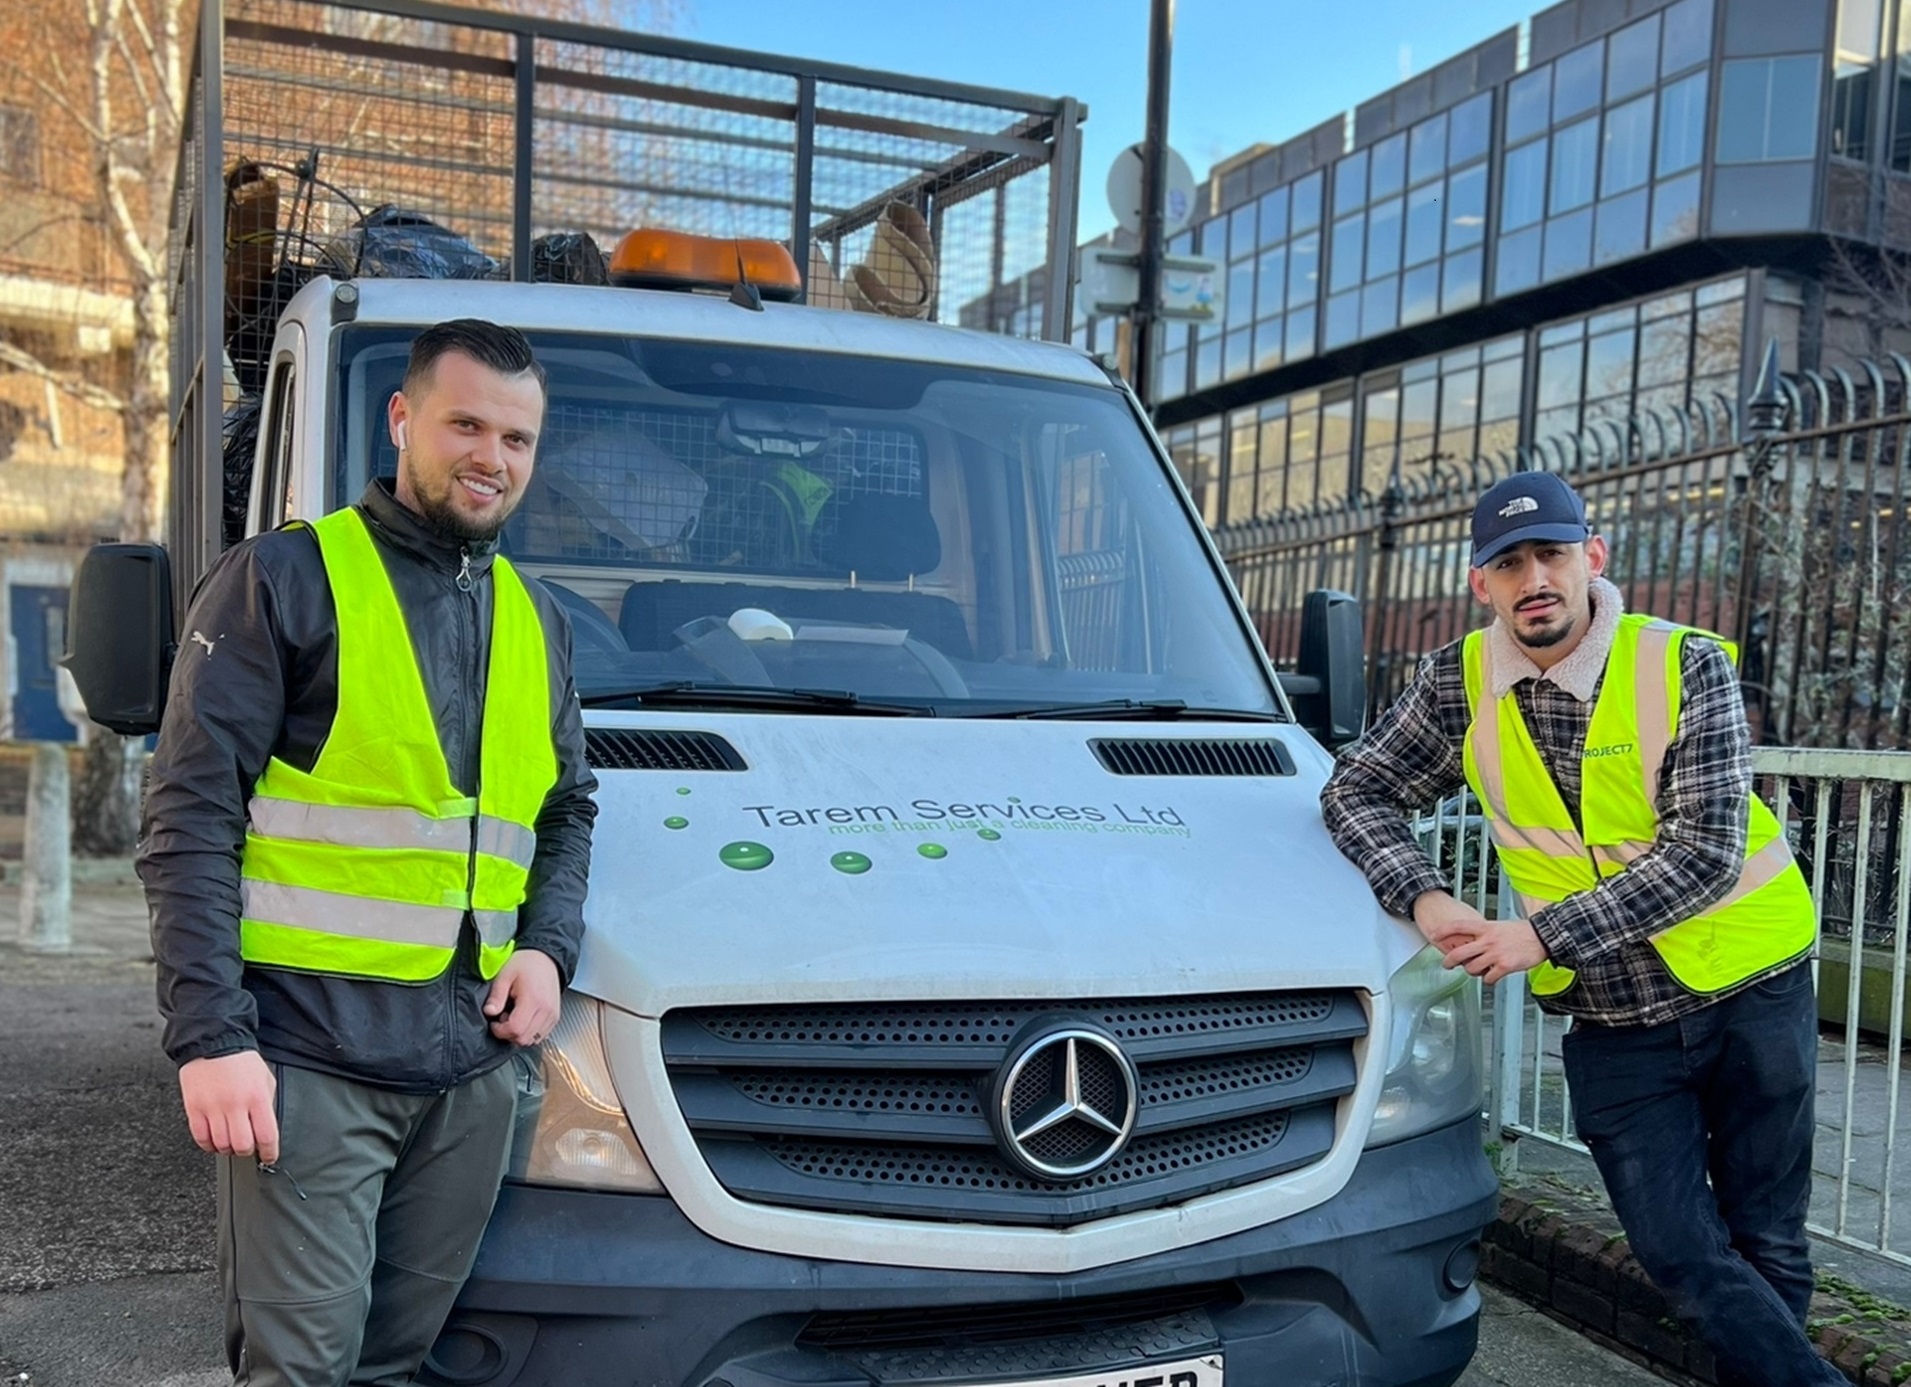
x=1154 y=163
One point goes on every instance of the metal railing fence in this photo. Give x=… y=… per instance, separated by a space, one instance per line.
x=1843 y=812
x=1793 y=543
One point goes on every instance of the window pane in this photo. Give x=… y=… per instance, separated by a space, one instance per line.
x=1380 y=307
x=1274 y=217
x=1576 y=81
x=1470 y=130
x=1609 y=365
x=1466 y=207
x=1420 y=294
x=1389 y=169
x=1271 y=283
x=1464 y=273
x=1417 y=401
x=1269 y=496
x=1307 y=203
x=1633 y=59
x=1854 y=73
x=1336 y=443
x=1459 y=400
x=1240 y=353
x=1383 y=239
x=1523 y=201
x=1174 y=375
x=1267 y=344
x=1794 y=119
x=1241 y=235
x=1675 y=210
x=1901 y=105
x=1682 y=124
x=1303 y=271
x=1628 y=155
x=1424 y=209
x=1241 y=450
x=1688 y=35
x=1518 y=262
x=1429 y=149
x=1529 y=105
x=1716 y=335
x=1568 y=244
x=1768 y=109
x=1381 y=436
x=1343 y=320
x=1349 y=240
x=1350 y=183
x=1240 y=304
x=1621 y=228
x=1575 y=160
x=1300 y=334
x=1207 y=364
x=1559 y=374
x=1663 y=344
x=1500 y=394
x=1214 y=238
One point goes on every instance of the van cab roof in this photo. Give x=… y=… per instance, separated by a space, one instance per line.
x=698 y=317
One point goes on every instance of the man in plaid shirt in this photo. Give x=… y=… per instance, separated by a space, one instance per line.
x=1679 y=956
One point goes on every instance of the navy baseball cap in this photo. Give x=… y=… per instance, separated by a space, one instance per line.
x=1527 y=505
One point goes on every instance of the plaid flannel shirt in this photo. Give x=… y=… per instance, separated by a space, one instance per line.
x=1413 y=758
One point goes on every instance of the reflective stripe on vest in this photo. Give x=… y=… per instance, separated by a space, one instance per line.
x=1765 y=919
x=369 y=863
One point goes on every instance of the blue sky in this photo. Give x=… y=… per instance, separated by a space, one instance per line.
x=1244 y=70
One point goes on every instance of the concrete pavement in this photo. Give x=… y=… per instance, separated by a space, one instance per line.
x=105 y=1246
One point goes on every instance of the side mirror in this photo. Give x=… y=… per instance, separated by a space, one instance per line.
x=120 y=635
x=1329 y=685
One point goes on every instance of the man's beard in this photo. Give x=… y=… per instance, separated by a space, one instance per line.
x=443 y=518
x=1542 y=640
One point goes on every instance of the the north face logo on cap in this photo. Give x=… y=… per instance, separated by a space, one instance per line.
x=1519 y=505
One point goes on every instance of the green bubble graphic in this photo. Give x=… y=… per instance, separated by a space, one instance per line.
x=933 y=851
x=854 y=863
x=745 y=857
x=683 y=789
x=987 y=834
x=676 y=821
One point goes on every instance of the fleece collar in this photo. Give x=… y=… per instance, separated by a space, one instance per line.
x=1579 y=673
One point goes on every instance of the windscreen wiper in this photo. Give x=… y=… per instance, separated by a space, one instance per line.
x=1127 y=710
x=692 y=693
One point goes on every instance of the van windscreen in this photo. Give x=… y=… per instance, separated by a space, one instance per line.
x=758 y=517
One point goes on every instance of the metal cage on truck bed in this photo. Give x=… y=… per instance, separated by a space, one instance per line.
x=509 y=135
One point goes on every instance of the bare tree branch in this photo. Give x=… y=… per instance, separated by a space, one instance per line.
x=80 y=389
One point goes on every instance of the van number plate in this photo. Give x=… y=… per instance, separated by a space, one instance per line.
x=1184 y=1372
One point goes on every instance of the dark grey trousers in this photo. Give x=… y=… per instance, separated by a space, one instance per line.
x=341 y=1262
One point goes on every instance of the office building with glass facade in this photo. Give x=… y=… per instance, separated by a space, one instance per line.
x=1606 y=211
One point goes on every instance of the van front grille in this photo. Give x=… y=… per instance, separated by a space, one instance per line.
x=883 y=1108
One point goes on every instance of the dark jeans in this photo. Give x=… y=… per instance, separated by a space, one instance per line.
x=1702 y=1128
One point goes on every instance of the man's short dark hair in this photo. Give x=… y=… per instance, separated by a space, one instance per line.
x=504 y=349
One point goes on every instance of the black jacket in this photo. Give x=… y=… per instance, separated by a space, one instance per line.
x=257 y=676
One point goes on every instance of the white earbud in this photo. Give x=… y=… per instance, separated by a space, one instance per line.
x=404 y=438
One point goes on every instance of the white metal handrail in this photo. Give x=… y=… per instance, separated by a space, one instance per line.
x=1848 y=816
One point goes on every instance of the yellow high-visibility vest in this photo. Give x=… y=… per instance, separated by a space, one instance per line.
x=367 y=864
x=1767 y=916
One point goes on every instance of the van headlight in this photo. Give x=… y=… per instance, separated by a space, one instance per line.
x=571 y=1129
x=1433 y=1064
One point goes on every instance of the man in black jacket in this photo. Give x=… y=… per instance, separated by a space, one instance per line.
x=345 y=1053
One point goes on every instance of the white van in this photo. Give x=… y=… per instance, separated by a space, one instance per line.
x=971 y=992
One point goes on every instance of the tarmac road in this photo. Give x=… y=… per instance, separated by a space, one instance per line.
x=105 y=1240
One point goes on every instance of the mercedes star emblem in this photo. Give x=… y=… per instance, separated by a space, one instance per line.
x=1065 y=1101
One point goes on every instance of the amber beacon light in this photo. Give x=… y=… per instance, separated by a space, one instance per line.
x=649 y=259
